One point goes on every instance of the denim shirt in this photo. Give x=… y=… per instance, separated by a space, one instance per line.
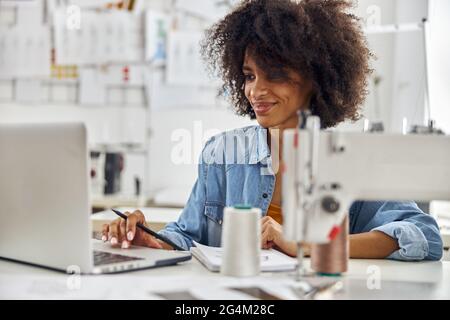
x=230 y=173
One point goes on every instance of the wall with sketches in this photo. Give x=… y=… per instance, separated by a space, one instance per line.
x=133 y=77
x=136 y=80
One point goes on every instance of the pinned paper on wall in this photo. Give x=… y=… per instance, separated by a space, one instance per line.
x=31 y=14
x=211 y=10
x=157 y=26
x=91 y=3
x=25 y=52
x=100 y=38
x=18 y=4
x=185 y=66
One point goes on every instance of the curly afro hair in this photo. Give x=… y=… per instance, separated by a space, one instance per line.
x=316 y=38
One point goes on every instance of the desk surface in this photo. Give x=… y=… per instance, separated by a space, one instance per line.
x=366 y=279
x=398 y=280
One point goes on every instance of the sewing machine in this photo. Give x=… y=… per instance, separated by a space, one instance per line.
x=324 y=172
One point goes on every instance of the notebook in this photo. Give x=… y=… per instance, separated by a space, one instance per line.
x=271 y=260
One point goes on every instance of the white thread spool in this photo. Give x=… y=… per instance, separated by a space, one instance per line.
x=241 y=242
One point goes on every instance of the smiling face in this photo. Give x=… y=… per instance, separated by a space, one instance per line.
x=275 y=96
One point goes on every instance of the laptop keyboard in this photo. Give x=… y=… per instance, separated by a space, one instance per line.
x=102 y=258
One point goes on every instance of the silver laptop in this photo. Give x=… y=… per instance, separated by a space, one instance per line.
x=45 y=206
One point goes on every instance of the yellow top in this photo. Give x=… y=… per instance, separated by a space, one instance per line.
x=274 y=212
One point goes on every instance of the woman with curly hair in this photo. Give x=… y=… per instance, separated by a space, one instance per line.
x=276 y=58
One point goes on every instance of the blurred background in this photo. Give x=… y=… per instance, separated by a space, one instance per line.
x=131 y=71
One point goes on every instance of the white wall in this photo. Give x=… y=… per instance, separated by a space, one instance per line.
x=376 y=12
x=196 y=126
x=439 y=55
x=409 y=67
x=400 y=65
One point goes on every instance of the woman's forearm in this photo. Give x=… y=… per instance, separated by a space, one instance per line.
x=372 y=245
x=369 y=245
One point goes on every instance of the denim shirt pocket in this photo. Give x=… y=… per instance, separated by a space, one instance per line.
x=214 y=216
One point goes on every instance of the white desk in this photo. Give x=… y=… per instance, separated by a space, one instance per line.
x=399 y=280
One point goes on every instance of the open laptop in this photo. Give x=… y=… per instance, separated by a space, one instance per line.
x=45 y=204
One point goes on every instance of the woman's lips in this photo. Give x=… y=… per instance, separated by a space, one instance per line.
x=263 y=108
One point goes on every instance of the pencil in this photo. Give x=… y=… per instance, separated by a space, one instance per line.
x=151 y=232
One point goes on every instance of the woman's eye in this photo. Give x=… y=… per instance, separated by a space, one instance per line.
x=249 y=77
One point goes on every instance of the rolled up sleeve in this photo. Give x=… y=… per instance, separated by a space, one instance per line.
x=175 y=234
x=417 y=233
x=191 y=226
x=411 y=240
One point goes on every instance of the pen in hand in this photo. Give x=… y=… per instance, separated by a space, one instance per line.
x=151 y=232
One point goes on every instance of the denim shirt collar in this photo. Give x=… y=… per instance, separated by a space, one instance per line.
x=260 y=149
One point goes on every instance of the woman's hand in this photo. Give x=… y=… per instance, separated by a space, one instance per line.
x=124 y=233
x=271 y=233
x=272 y=236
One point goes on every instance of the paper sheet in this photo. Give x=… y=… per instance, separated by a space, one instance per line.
x=24 y=52
x=271 y=260
x=211 y=10
x=157 y=26
x=99 y=38
x=185 y=66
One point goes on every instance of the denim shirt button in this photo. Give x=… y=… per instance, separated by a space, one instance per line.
x=265 y=195
x=220 y=222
